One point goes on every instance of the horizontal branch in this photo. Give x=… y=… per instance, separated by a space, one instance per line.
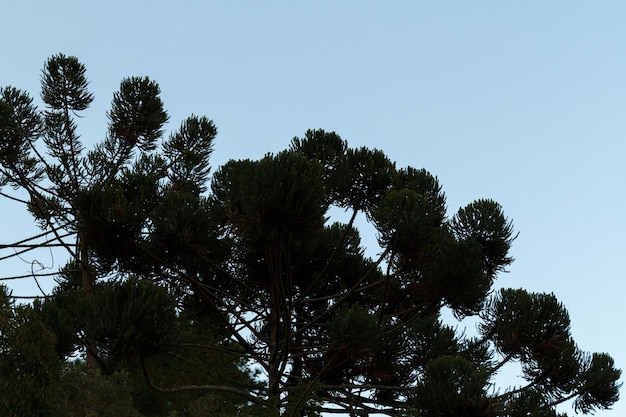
x=29 y=297
x=31 y=275
x=10 y=197
x=34 y=246
x=45 y=244
x=326 y=410
x=47 y=232
x=179 y=388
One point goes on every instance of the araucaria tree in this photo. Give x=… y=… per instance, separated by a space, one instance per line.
x=253 y=256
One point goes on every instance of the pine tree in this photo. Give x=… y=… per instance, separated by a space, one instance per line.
x=117 y=321
x=256 y=256
x=332 y=329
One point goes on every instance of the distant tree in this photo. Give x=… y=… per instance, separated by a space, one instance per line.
x=258 y=260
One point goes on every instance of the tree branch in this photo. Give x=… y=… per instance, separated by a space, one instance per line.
x=179 y=388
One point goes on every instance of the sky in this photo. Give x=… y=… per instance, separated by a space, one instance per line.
x=520 y=102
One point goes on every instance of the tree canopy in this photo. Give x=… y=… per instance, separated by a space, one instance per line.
x=242 y=291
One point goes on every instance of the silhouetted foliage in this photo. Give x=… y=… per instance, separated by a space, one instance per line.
x=240 y=292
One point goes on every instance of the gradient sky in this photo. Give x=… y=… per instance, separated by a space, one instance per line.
x=521 y=102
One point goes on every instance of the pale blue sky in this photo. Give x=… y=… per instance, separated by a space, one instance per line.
x=522 y=102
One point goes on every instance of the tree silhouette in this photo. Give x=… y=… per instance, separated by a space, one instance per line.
x=253 y=252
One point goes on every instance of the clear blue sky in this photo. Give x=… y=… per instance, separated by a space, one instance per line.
x=522 y=102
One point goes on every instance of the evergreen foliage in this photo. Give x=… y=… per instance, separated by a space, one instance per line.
x=239 y=293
